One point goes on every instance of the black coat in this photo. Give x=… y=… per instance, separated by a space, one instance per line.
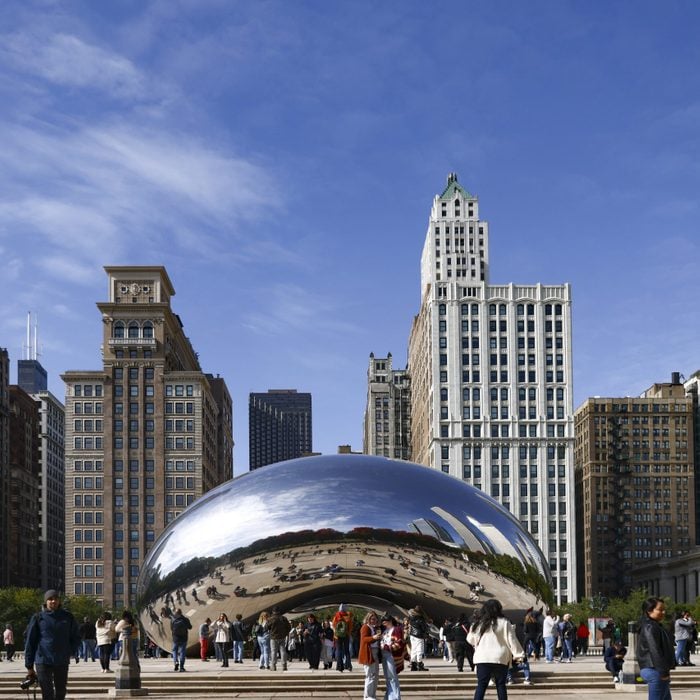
x=655 y=647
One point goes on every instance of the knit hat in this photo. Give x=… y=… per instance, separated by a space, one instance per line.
x=51 y=593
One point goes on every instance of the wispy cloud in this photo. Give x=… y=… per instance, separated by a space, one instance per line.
x=67 y=60
x=102 y=193
x=291 y=307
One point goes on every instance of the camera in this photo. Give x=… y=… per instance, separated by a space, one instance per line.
x=28 y=682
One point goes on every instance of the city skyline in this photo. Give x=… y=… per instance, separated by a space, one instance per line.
x=280 y=161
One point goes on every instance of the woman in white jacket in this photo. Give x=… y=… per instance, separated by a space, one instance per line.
x=222 y=627
x=495 y=646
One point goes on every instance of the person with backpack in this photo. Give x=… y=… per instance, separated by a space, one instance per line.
x=342 y=629
x=179 y=627
x=279 y=630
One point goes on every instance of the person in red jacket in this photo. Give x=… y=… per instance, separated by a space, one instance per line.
x=342 y=631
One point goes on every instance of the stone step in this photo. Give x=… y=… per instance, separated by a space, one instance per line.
x=445 y=684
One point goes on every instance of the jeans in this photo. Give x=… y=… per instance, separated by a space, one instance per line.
x=681 y=645
x=484 y=672
x=393 y=689
x=278 y=645
x=53 y=681
x=371 y=679
x=342 y=654
x=658 y=689
x=567 y=649
x=549 y=643
x=238 y=650
x=179 y=652
x=264 y=644
x=221 y=646
x=87 y=649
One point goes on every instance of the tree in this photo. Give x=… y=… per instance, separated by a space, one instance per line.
x=17 y=605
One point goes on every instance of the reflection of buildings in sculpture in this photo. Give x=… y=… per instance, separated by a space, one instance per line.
x=269 y=553
x=470 y=539
x=498 y=542
x=431 y=528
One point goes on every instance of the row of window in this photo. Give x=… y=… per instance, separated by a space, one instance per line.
x=133 y=329
x=87 y=390
x=87 y=407
x=133 y=373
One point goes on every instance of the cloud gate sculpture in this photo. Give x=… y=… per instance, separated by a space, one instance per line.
x=311 y=533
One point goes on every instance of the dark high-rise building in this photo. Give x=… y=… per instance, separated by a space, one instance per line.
x=279 y=424
x=24 y=501
x=31 y=376
x=4 y=464
x=33 y=379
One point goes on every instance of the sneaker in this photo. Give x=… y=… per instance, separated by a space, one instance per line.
x=527 y=681
x=177 y=667
x=491 y=683
x=510 y=682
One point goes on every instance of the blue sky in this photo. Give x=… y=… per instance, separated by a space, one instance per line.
x=280 y=159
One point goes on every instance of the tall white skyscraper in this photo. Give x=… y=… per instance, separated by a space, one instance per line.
x=491 y=379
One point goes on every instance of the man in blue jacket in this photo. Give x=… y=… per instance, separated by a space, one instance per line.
x=53 y=638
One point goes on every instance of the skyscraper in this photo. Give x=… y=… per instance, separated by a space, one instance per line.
x=33 y=378
x=635 y=485
x=387 y=424
x=4 y=466
x=491 y=379
x=279 y=424
x=24 y=501
x=142 y=436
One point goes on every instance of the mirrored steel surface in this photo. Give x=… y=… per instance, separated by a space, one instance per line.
x=313 y=532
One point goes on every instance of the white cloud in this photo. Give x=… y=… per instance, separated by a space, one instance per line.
x=67 y=60
x=291 y=307
x=106 y=193
x=69 y=269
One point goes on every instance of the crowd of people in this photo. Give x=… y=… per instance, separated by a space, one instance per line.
x=497 y=650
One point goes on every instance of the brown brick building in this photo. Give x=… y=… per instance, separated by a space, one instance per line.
x=145 y=436
x=635 y=485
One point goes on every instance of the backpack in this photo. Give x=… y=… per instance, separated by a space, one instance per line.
x=180 y=625
x=341 y=629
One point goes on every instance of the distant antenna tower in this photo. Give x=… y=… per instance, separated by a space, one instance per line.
x=31 y=347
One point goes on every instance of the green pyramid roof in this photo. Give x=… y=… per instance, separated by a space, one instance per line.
x=454 y=186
